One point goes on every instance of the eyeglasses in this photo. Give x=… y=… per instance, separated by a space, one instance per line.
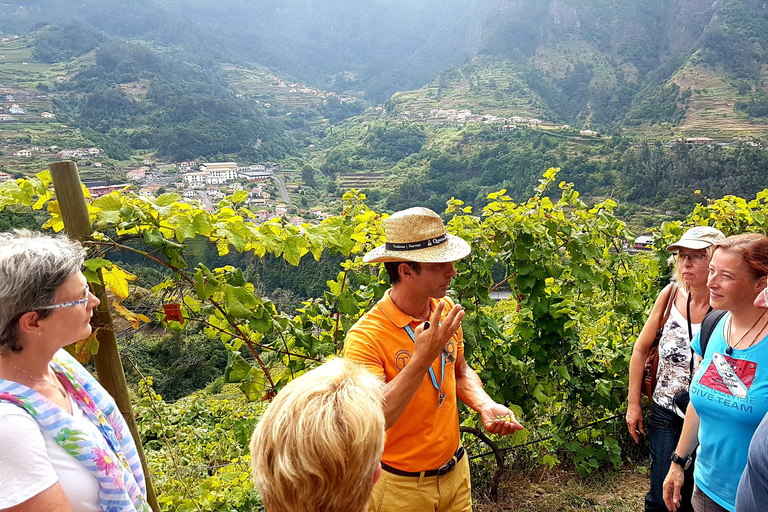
x=69 y=304
x=695 y=257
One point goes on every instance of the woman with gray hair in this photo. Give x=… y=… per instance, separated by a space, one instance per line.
x=65 y=444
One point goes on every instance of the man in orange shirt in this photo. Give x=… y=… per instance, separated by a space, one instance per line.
x=412 y=338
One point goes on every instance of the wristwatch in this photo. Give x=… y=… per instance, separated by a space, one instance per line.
x=685 y=462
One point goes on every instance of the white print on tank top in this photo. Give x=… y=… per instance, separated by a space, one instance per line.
x=674 y=372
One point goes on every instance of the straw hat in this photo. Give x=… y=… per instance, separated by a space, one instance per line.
x=417 y=234
x=699 y=237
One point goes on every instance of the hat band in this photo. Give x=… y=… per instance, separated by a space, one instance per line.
x=410 y=246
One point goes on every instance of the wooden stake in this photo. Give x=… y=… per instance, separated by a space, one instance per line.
x=109 y=367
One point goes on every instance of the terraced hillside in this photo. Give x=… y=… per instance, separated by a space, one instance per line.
x=288 y=97
x=710 y=107
x=485 y=85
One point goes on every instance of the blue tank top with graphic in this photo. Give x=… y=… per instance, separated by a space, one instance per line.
x=730 y=395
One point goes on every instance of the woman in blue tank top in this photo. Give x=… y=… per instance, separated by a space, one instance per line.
x=729 y=392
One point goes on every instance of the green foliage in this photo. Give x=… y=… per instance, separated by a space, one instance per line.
x=186 y=112
x=197 y=451
x=650 y=172
x=737 y=42
x=60 y=43
x=658 y=105
x=395 y=141
x=178 y=363
x=755 y=106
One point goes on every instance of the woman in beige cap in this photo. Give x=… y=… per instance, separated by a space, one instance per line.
x=684 y=302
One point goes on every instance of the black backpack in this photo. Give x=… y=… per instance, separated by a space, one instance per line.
x=708 y=327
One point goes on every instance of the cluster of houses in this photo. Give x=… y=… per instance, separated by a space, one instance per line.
x=508 y=124
x=219 y=173
x=706 y=141
x=203 y=182
x=15 y=97
x=67 y=153
x=298 y=89
x=79 y=153
x=467 y=116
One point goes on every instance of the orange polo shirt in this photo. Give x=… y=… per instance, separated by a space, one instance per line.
x=425 y=436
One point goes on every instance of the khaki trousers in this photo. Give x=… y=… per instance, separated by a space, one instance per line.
x=446 y=493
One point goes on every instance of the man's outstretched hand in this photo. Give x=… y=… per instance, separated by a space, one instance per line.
x=497 y=419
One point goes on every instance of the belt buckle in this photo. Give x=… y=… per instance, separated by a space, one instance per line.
x=447 y=467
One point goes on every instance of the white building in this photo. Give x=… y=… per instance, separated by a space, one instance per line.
x=219 y=172
x=194 y=177
x=23 y=152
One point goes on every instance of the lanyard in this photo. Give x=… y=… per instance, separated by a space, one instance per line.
x=431 y=372
x=690 y=330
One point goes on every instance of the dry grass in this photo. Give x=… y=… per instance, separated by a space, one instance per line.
x=560 y=490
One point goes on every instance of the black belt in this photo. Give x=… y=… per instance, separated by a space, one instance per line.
x=442 y=470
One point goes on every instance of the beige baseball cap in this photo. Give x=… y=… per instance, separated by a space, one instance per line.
x=699 y=237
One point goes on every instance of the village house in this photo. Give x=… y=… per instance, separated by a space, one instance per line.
x=262 y=215
x=15 y=109
x=97 y=164
x=23 y=153
x=256 y=202
x=98 y=191
x=4 y=176
x=215 y=194
x=6 y=117
x=190 y=194
x=193 y=178
x=588 y=133
x=698 y=141
x=136 y=175
x=281 y=209
x=256 y=168
x=48 y=115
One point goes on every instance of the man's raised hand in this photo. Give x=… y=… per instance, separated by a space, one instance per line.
x=429 y=342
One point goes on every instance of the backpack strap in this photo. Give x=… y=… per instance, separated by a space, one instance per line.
x=708 y=327
x=670 y=301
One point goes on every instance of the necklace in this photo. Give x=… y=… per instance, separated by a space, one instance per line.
x=57 y=388
x=730 y=348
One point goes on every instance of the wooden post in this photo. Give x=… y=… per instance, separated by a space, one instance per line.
x=109 y=367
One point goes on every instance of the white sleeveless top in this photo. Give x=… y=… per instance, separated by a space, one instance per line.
x=674 y=372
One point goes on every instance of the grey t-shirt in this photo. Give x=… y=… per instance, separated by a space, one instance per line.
x=752 y=495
